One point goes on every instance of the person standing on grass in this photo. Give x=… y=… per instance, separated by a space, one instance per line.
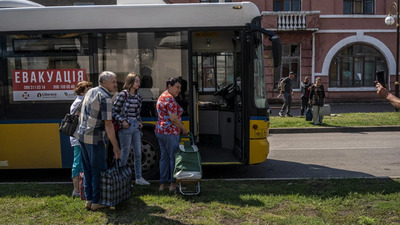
x=305 y=94
x=384 y=93
x=287 y=92
x=95 y=125
x=168 y=129
x=317 y=99
x=126 y=111
x=80 y=90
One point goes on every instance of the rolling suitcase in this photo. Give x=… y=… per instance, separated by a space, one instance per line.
x=188 y=172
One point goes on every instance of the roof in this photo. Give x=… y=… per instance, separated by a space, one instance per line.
x=128 y=16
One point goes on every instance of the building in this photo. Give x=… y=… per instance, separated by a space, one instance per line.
x=342 y=41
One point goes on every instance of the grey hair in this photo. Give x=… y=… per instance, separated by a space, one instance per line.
x=106 y=75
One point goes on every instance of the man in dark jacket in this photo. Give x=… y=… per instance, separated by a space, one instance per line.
x=287 y=92
x=305 y=94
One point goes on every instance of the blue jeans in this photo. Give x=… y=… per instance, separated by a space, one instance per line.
x=131 y=138
x=168 y=144
x=77 y=164
x=93 y=161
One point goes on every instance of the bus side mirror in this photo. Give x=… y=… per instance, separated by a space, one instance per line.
x=276 y=50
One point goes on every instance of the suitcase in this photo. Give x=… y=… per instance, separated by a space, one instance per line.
x=187 y=171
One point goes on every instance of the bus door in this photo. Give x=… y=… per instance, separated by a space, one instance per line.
x=216 y=80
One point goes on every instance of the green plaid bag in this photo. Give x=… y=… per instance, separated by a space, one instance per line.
x=115 y=185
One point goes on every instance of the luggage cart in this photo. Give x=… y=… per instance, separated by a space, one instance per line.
x=188 y=172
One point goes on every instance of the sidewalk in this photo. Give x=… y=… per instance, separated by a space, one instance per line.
x=337 y=108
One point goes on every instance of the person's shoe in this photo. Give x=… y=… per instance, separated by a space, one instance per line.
x=75 y=194
x=173 y=187
x=281 y=114
x=163 y=187
x=88 y=204
x=96 y=206
x=289 y=115
x=142 y=181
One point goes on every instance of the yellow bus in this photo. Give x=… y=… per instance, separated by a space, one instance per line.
x=217 y=49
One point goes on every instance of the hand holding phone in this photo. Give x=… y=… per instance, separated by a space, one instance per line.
x=380 y=75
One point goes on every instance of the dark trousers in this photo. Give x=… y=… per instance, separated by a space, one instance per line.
x=287 y=103
x=304 y=103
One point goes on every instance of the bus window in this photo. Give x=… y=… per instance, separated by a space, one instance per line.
x=155 y=56
x=42 y=71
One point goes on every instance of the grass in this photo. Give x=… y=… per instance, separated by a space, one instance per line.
x=344 y=201
x=340 y=120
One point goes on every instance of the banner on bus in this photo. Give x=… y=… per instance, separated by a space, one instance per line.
x=45 y=85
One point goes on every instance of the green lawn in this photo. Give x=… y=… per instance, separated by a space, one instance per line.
x=340 y=120
x=343 y=201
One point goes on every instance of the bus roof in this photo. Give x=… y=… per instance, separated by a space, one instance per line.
x=127 y=16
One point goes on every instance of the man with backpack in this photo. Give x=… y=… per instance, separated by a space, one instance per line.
x=287 y=92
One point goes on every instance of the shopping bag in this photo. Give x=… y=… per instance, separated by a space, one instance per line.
x=187 y=161
x=115 y=185
x=69 y=124
x=308 y=114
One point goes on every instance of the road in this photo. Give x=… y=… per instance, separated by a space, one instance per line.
x=323 y=155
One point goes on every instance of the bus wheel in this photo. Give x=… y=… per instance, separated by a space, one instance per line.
x=150 y=156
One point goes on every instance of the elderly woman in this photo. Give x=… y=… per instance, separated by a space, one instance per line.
x=168 y=130
x=80 y=90
x=317 y=99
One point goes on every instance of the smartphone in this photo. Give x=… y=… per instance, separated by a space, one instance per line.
x=380 y=75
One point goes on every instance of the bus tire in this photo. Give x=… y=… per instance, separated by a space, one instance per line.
x=150 y=156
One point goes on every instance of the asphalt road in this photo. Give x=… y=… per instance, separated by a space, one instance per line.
x=323 y=155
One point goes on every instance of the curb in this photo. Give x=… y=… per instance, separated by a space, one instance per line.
x=332 y=129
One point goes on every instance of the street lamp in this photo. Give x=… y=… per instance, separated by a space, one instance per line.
x=390 y=21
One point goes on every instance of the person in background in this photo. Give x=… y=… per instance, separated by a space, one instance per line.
x=287 y=92
x=305 y=87
x=384 y=93
x=126 y=110
x=317 y=99
x=95 y=125
x=80 y=90
x=168 y=129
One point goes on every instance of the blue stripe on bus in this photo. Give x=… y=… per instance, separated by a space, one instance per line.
x=28 y=121
x=265 y=118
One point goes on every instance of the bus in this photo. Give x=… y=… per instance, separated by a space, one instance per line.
x=216 y=48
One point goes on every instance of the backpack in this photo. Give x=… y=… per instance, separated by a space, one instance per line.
x=279 y=83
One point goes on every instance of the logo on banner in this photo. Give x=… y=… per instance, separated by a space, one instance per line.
x=25 y=95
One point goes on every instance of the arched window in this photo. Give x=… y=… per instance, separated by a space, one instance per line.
x=356 y=66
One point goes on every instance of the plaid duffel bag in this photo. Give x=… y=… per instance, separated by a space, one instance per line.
x=115 y=185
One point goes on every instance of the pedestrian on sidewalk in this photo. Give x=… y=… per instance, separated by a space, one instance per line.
x=317 y=99
x=95 y=127
x=287 y=92
x=384 y=93
x=305 y=88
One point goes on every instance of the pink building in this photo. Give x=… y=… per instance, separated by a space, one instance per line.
x=342 y=41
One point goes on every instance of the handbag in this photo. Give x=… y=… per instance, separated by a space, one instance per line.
x=81 y=187
x=117 y=125
x=70 y=122
x=115 y=184
x=187 y=161
x=308 y=113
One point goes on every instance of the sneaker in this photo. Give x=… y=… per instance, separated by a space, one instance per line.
x=173 y=187
x=289 y=115
x=96 y=206
x=163 y=187
x=142 y=181
x=75 y=194
x=88 y=204
x=281 y=114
